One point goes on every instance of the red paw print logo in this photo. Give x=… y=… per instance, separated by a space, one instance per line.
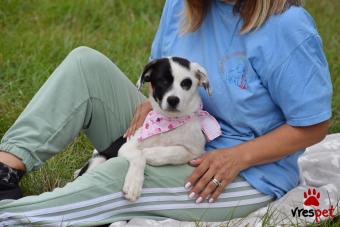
x=311 y=197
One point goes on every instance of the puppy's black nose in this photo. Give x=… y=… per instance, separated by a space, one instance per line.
x=173 y=101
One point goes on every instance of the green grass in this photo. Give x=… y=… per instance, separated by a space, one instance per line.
x=37 y=34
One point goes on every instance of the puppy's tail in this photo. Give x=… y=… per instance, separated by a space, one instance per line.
x=100 y=157
x=112 y=150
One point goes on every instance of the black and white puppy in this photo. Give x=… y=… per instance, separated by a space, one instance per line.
x=174 y=82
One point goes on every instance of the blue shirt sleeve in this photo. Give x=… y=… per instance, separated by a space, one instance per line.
x=301 y=85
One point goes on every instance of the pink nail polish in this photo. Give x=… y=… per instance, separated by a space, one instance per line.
x=211 y=200
x=200 y=199
x=187 y=185
x=192 y=195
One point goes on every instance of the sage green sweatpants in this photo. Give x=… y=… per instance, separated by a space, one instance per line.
x=88 y=92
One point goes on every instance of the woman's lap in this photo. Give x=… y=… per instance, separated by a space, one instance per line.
x=87 y=91
x=96 y=198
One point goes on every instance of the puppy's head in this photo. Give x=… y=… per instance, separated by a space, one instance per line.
x=174 y=83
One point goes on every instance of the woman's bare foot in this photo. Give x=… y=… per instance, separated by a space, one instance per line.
x=12 y=161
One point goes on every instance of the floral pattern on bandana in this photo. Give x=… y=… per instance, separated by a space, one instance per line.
x=156 y=123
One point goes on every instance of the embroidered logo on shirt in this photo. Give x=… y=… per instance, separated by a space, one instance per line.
x=234 y=69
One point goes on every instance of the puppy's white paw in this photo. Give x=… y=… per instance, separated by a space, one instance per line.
x=132 y=187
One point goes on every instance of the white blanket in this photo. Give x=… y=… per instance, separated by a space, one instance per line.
x=319 y=170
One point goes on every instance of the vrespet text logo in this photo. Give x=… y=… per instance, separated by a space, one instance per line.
x=311 y=199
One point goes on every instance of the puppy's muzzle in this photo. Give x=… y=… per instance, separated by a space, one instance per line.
x=172 y=101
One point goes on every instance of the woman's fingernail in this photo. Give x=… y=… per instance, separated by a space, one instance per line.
x=192 y=195
x=124 y=135
x=211 y=200
x=199 y=200
x=187 y=185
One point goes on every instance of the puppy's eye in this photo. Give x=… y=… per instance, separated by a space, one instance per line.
x=186 y=84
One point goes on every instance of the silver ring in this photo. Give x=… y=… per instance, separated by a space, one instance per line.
x=216 y=182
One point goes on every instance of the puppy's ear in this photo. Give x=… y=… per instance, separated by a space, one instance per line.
x=146 y=74
x=202 y=76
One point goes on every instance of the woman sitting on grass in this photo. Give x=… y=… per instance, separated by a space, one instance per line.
x=271 y=93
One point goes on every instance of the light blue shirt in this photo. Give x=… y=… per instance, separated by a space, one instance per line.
x=272 y=76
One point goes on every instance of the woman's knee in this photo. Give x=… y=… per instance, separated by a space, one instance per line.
x=89 y=58
x=92 y=63
x=97 y=70
x=83 y=51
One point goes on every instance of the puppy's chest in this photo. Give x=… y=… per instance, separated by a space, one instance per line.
x=189 y=134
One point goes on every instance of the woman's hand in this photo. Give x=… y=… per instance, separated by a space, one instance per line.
x=142 y=111
x=225 y=164
x=222 y=164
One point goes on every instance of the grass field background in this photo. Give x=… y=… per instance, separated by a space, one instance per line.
x=36 y=35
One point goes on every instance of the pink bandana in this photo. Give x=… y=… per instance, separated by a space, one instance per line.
x=156 y=123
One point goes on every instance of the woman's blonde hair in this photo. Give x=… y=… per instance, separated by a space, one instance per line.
x=253 y=12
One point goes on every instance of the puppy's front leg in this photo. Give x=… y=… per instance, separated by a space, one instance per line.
x=168 y=155
x=134 y=178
